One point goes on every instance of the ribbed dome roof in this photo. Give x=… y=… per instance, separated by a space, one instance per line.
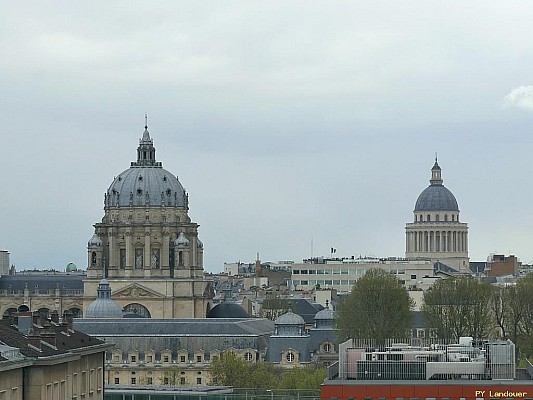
x=289 y=318
x=95 y=241
x=181 y=240
x=146 y=183
x=325 y=314
x=103 y=306
x=228 y=310
x=436 y=197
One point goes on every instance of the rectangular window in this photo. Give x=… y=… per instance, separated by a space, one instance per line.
x=133 y=381
x=199 y=359
x=182 y=359
x=148 y=359
x=303 y=272
x=304 y=283
x=165 y=359
x=149 y=381
x=139 y=262
x=133 y=359
x=335 y=282
x=123 y=258
x=320 y=272
x=182 y=380
x=413 y=276
x=154 y=262
x=198 y=381
x=117 y=381
x=328 y=282
x=296 y=272
x=165 y=381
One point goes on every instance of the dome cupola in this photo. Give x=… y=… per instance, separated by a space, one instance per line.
x=95 y=241
x=436 y=197
x=146 y=183
x=103 y=306
x=181 y=240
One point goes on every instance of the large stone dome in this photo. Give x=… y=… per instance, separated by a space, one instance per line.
x=146 y=183
x=436 y=197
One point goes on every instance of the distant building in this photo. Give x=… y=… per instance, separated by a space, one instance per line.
x=499 y=265
x=4 y=262
x=466 y=370
x=41 y=359
x=341 y=274
x=436 y=232
x=43 y=291
x=146 y=245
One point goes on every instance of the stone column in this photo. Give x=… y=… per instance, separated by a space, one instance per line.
x=147 y=253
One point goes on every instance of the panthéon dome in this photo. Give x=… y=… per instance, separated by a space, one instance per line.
x=436 y=197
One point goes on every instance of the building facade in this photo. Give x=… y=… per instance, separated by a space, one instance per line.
x=436 y=232
x=146 y=244
x=48 y=360
x=4 y=262
x=341 y=274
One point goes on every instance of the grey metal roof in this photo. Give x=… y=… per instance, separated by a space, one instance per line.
x=227 y=310
x=436 y=198
x=175 y=327
x=141 y=185
x=43 y=281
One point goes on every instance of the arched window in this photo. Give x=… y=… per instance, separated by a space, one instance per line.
x=290 y=357
x=44 y=312
x=446 y=217
x=437 y=217
x=180 y=258
x=135 y=310
x=248 y=356
x=428 y=218
x=327 y=347
x=93 y=258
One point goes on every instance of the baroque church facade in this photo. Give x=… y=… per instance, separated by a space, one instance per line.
x=436 y=232
x=146 y=245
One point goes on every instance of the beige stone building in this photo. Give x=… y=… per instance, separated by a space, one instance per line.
x=436 y=232
x=48 y=360
x=147 y=246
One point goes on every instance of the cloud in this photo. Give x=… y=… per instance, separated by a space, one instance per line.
x=521 y=97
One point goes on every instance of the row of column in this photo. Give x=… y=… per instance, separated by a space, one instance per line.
x=437 y=241
x=164 y=262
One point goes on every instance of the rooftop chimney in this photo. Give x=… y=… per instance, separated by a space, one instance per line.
x=24 y=323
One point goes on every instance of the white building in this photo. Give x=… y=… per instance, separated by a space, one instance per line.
x=341 y=274
x=4 y=262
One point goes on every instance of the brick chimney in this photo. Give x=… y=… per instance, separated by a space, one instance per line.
x=55 y=316
x=34 y=339
x=49 y=336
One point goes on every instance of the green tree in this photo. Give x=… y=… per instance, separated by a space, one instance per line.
x=307 y=377
x=230 y=369
x=459 y=306
x=513 y=310
x=378 y=308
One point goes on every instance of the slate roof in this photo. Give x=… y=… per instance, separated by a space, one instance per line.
x=66 y=339
x=43 y=281
x=175 y=327
x=190 y=334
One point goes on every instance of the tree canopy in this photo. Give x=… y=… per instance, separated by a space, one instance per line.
x=459 y=306
x=378 y=308
x=230 y=369
x=513 y=308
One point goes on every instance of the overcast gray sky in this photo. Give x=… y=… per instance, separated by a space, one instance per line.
x=288 y=122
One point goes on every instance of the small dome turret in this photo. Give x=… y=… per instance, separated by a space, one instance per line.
x=181 y=240
x=103 y=306
x=95 y=241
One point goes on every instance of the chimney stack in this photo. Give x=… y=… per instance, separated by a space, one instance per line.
x=55 y=316
x=25 y=322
